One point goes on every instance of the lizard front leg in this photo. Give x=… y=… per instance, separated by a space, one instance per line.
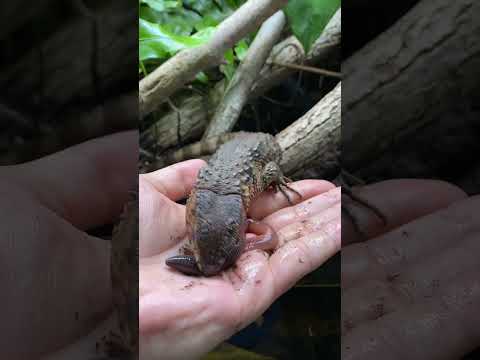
x=345 y=180
x=272 y=174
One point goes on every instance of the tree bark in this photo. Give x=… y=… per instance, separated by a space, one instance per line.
x=51 y=73
x=238 y=90
x=314 y=139
x=419 y=75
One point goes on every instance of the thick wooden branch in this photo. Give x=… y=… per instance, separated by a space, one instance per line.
x=184 y=125
x=173 y=74
x=330 y=37
x=311 y=141
x=314 y=138
x=238 y=90
x=422 y=72
x=50 y=72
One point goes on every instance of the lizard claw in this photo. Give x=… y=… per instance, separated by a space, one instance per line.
x=282 y=183
x=345 y=179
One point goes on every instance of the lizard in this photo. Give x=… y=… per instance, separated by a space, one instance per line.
x=216 y=214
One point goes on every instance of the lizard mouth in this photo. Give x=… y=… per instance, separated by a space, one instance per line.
x=211 y=270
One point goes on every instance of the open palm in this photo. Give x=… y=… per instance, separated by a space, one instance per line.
x=182 y=316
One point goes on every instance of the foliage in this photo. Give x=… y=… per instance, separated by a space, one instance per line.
x=308 y=18
x=169 y=26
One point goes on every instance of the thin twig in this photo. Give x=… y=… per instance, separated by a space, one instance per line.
x=308 y=69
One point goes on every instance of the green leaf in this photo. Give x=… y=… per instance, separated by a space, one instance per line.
x=169 y=26
x=228 y=69
x=308 y=18
x=178 y=21
x=213 y=12
x=203 y=35
x=241 y=50
x=162 y=5
x=202 y=77
x=156 y=42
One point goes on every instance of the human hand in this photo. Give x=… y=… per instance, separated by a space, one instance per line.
x=412 y=290
x=183 y=317
x=55 y=277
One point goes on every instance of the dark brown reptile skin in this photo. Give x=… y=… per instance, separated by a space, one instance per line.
x=216 y=209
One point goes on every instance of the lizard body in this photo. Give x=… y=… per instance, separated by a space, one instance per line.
x=217 y=207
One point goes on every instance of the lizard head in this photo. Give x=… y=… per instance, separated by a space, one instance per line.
x=216 y=226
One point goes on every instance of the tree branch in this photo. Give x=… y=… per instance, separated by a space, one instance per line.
x=402 y=82
x=63 y=80
x=291 y=51
x=314 y=138
x=236 y=95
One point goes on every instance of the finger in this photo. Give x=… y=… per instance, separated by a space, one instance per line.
x=313 y=235
x=368 y=300
x=50 y=269
x=259 y=280
x=175 y=181
x=304 y=210
x=161 y=221
x=298 y=257
x=387 y=255
x=439 y=327
x=268 y=202
x=86 y=184
x=400 y=201
x=308 y=225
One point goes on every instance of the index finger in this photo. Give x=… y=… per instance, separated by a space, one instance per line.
x=400 y=201
x=301 y=255
x=86 y=184
x=268 y=202
x=175 y=181
x=386 y=256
